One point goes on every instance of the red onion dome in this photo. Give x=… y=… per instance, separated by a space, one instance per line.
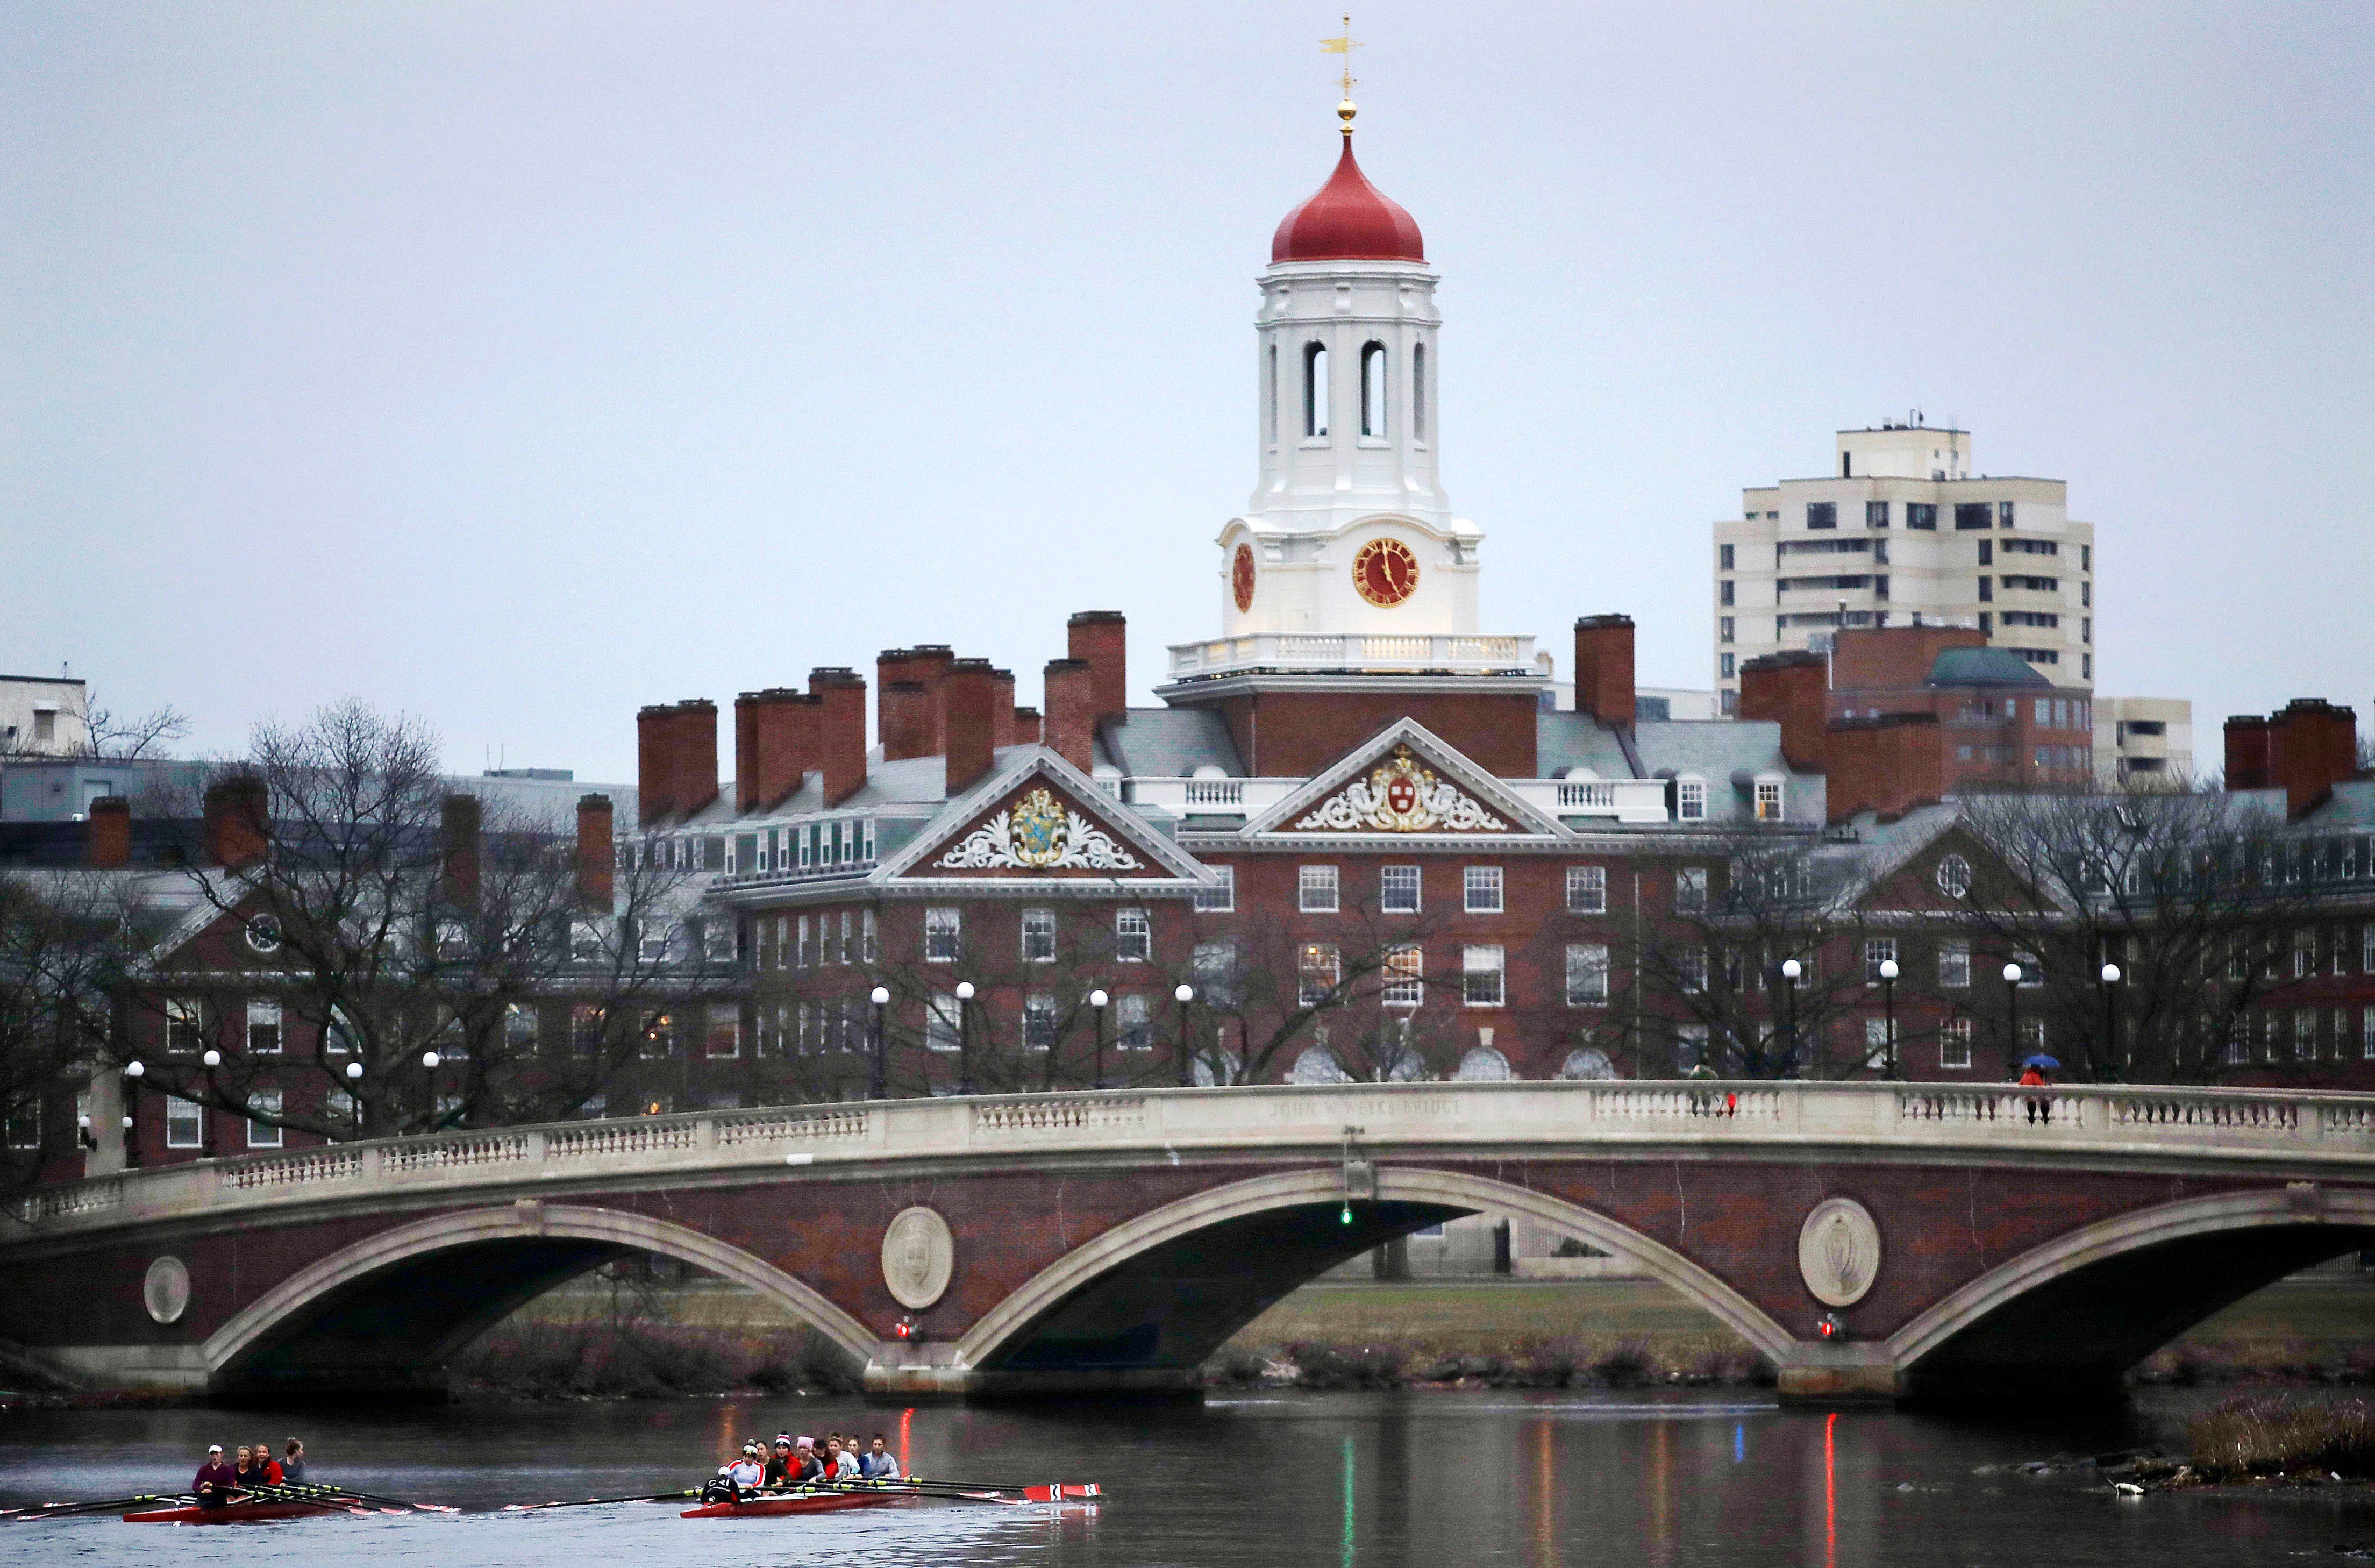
x=1348 y=219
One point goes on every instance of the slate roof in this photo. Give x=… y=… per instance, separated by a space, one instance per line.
x=1985 y=666
x=1170 y=743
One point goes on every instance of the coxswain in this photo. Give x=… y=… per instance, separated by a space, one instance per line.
x=879 y=1463
x=215 y=1479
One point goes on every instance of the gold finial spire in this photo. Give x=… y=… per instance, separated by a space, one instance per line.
x=1344 y=44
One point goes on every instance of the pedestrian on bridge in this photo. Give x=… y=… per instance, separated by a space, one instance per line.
x=2033 y=1076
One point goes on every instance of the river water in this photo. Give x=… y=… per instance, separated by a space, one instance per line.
x=1327 y=1481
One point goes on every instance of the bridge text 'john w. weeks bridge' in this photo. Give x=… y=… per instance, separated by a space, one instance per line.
x=1873 y=1240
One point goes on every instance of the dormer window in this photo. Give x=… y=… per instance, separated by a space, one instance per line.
x=1690 y=800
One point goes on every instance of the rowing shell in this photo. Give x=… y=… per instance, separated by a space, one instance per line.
x=812 y=1503
x=236 y=1512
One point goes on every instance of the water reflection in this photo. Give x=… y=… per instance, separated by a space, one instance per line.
x=1373 y=1480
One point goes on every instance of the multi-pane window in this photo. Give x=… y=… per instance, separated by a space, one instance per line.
x=1875 y=514
x=1039 y=935
x=1689 y=800
x=2304 y=1034
x=1922 y=515
x=1821 y=514
x=1217 y=977
x=943 y=934
x=1877 y=950
x=1318 y=968
x=725 y=1033
x=1039 y=1021
x=2032 y=974
x=653 y=941
x=1133 y=936
x=264 y=1029
x=717 y=940
x=519 y=1027
x=1405 y=983
x=185 y=1124
x=1315 y=889
x=1876 y=1044
x=264 y=1134
x=1482 y=970
x=1691 y=969
x=807 y=954
x=941 y=1032
x=1133 y=1022
x=1691 y=889
x=873 y=949
x=1219 y=895
x=2367 y=1034
x=1586 y=974
x=2366 y=949
x=1481 y=889
x=185 y=1032
x=1954 y=964
x=1398 y=889
x=2304 y=954
x=1768 y=800
x=1955 y=1045
x=1587 y=890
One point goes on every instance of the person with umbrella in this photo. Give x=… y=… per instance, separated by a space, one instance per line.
x=2032 y=1076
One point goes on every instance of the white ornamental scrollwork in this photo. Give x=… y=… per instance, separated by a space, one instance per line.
x=1402 y=797
x=1838 y=1251
x=1038 y=833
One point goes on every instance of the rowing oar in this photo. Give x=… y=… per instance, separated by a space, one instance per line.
x=61 y=1510
x=595 y=1502
x=331 y=1495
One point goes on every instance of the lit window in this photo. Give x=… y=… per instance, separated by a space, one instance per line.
x=1481 y=889
x=1587 y=890
x=1405 y=983
x=1398 y=889
x=1586 y=974
x=1481 y=972
x=1768 y=800
x=1133 y=936
x=942 y=932
x=264 y=1029
x=1039 y=935
x=1315 y=890
x=587 y=1025
x=184 y=1031
x=1219 y=896
x=1318 y=968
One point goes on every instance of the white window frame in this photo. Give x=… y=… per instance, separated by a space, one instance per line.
x=1482 y=890
x=942 y=1028
x=1691 y=885
x=1483 y=975
x=1314 y=959
x=725 y=1023
x=1133 y=936
x=266 y=1013
x=265 y=1135
x=1219 y=897
x=1403 y=977
x=717 y=939
x=1771 y=799
x=1038 y=934
x=1317 y=889
x=1400 y=888
x=1690 y=799
x=1587 y=890
x=1039 y=1021
x=1586 y=974
x=1133 y=1022
x=189 y=1013
x=1876 y=952
x=943 y=933
x=869 y=938
x=1954 y=966
x=1955 y=1045
x=186 y=1122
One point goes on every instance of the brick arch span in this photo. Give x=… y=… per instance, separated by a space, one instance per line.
x=2085 y=1307
x=385 y=1314
x=1160 y=1293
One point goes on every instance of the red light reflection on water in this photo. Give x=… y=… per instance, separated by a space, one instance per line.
x=1830 y=1496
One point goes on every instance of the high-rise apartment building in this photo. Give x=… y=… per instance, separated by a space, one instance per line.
x=1903 y=533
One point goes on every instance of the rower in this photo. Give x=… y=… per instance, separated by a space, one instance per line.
x=267 y=1468
x=293 y=1469
x=780 y=1465
x=879 y=1463
x=215 y=1479
x=806 y=1467
x=840 y=1463
x=747 y=1473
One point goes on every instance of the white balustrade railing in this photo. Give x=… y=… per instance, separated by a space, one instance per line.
x=1292 y=652
x=2171 y=1126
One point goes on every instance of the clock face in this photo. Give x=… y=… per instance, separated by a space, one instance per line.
x=1385 y=572
x=1241 y=578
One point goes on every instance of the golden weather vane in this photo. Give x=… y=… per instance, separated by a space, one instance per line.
x=1343 y=44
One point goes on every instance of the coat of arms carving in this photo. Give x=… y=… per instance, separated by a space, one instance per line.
x=1402 y=796
x=1038 y=833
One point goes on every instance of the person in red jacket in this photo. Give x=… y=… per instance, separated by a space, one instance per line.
x=215 y=1479
x=267 y=1469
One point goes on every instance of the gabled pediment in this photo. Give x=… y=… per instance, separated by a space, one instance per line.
x=1041 y=817
x=1401 y=782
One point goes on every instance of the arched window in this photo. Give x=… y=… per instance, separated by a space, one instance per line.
x=1372 y=389
x=1318 y=1065
x=1586 y=1064
x=1315 y=389
x=1418 y=393
x=1270 y=396
x=1484 y=1064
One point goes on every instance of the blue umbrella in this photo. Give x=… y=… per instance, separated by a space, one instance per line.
x=2041 y=1061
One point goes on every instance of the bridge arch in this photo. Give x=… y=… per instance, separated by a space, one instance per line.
x=1148 y=1266
x=384 y=1314
x=2086 y=1306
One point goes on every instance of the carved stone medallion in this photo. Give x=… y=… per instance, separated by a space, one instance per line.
x=918 y=1256
x=1838 y=1251
x=166 y=1290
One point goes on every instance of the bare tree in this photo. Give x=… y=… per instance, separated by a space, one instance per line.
x=131 y=737
x=64 y=943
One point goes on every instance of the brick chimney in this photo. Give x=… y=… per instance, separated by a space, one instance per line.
x=1793 y=688
x=2312 y=746
x=1887 y=765
x=1603 y=668
x=109 y=843
x=1002 y=716
x=458 y=820
x=840 y=695
x=655 y=742
x=2250 y=763
x=930 y=665
x=972 y=709
x=1101 y=637
x=773 y=739
x=905 y=722
x=1026 y=726
x=237 y=825
x=693 y=759
x=596 y=851
x=1070 y=728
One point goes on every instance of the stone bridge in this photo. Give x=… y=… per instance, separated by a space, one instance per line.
x=1873 y=1240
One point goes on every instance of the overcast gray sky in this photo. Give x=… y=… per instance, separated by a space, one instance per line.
x=518 y=364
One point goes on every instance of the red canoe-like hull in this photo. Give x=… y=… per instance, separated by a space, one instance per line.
x=234 y=1513
x=769 y=1507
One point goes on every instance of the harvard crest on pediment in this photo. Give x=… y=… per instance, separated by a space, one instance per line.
x=1401 y=795
x=1038 y=831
